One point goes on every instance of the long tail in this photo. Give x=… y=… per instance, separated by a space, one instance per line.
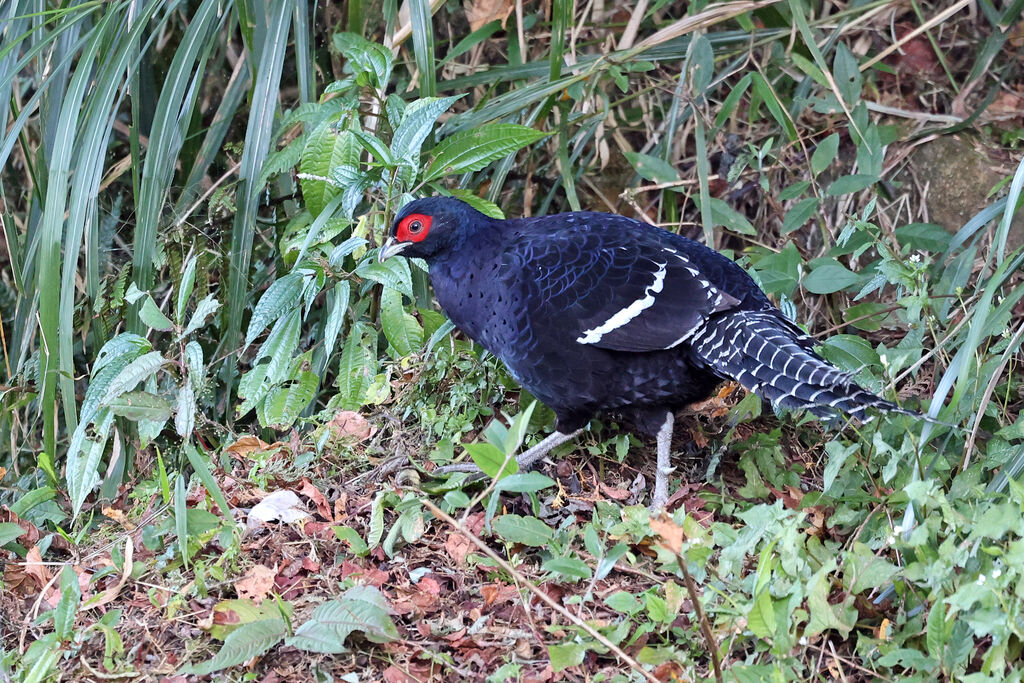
x=771 y=357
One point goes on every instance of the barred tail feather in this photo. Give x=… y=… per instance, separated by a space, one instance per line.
x=771 y=357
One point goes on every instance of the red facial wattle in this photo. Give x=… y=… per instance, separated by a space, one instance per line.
x=413 y=228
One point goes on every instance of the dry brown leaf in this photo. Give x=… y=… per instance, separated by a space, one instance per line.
x=111 y=593
x=349 y=426
x=256 y=584
x=457 y=546
x=247 y=445
x=671 y=533
x=480 y=12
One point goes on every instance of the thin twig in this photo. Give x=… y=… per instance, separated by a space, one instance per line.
x=486 y=550
x=937 y=19
x=997 y=375
x=702 y=618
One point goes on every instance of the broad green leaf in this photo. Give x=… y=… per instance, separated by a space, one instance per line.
x=652 y=168
x=204 y=309
x=188 y=279
x=471 y=150
x=571 y=567
x=847 y=75
x=729 y=218
x=849 y=351
x=282 y=296
x=825 y=153
x=362 y=608
x=402 y=330
x=152 y=317
x=799 y=214
x=338 y=299
x=924 y=236
x=419 y=120
x=141 y=405
x=356 y=369
x=328 y=148
x=868 y=569
x=67 y=606
x=393 y=273
x=245 y=642
x=526 y=530
x=489 y=458
x=564 y=656
x=830 y=277
x=837 y=455
x=284 y=403
x=123 y=345
x=367 y=58
x=9 y=531
x=185 y=410
x=761 y=618
x=848 y=184
x=132 y=374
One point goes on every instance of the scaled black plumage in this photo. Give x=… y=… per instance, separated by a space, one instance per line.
x=596 y=313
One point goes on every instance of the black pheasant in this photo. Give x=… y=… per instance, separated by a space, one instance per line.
x=597 y=313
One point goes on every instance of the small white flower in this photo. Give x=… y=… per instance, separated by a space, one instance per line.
x=981 y=580
x=915 y=258
x=890 y=540
x=996 y=573
x=898 y=529
x=803 y=640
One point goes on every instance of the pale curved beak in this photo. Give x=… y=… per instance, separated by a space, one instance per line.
x=390 y=248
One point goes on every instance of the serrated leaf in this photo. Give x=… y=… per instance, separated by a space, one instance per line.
x=132 y=374
x=141 y=405
x=368 y=58
x=245 y=642
x=526 y=530
x=377 y=149
x=393 y=273
x=402 y=330
x=339 y=297
x=344 y=249
x=328 y=148
x=185 y=410
x=356 y=369
x=204 y=309
x=188 y=279
x=830 y=277
x=282 y=296
x=361 y=608
x=472 y=150
x=124 y=345
x=419 y=120
x=152 y=317
x=67 y=606
x=285 y=403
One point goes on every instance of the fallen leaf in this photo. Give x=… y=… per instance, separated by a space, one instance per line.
x=323 y=507
x=247 y=445
x=480 y=12
x=281 y=505
x=256 y=584
x=671 y=533
x=457 y=546
x=349 y=426
x=393 y=674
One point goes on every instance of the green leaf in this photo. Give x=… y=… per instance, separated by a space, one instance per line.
x=284 y=403
x=188 y=279
x=847 y=75
x=652 y=168
x=868 y=569
x=362 y=608
x=136 y=371
x=564 y=656
x=204 y=309
x=571 y=567
x=245 y=642
x=780 y=272
x=67 y=606
x=141 y=405
x=368 y=58
x=356 y=369
x=417 y=123
x=472 y=150
x=825 y=153
x=830 y=277
x=837 y=455
x=729 y=218
x=849 y=351
x=185 y=410
x=489 y=458
x=924 y=236
x=848 y=184
x=282 y=296
x=328 y=147
x=526 y=530
x=9 y=531
x=761 y=618
x=402 y=330
x=351 y=536
x=152 y=317
x=393 y=273
x=799 y=214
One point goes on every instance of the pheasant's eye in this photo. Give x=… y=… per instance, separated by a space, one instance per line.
x=413 y=228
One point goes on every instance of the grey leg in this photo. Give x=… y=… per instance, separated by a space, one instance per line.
x=524 y=460
x=660 y=497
